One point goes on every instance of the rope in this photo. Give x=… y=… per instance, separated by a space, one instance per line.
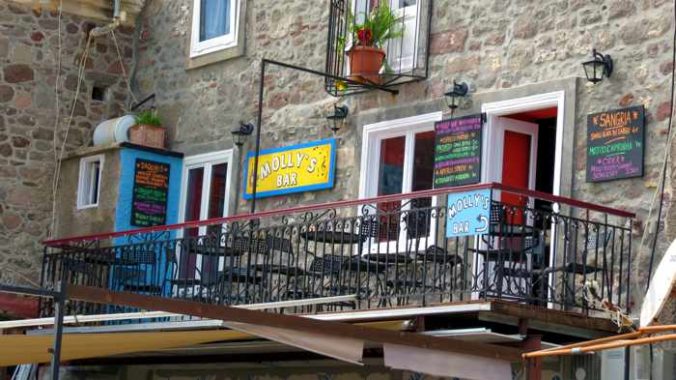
x=57 y=168
x=590 y=292
x=124 y=71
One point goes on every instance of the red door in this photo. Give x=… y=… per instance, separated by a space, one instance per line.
x=516 y=171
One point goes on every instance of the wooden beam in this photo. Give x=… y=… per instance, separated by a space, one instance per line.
x=98 y=10
x=231 y=314
x=553 y=316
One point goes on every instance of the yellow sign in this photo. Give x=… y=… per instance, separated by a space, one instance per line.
x=292 y=169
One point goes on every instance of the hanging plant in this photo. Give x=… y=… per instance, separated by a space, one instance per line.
x=367 y=56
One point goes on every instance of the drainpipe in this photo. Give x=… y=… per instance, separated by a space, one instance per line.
x=102 y=30
x=116 y=9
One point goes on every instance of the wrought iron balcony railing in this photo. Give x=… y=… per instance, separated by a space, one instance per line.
x=393 y=250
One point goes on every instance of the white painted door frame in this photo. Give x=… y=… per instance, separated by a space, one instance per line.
x=370 y=158
x=497 y=137
x=207 y=161
x=493 y=110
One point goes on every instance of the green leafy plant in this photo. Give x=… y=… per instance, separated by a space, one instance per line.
x=380 y=24
x=148 y=117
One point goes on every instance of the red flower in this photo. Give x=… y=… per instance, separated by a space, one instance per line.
x=365 y=36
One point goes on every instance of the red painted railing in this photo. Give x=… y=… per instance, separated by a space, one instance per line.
x=347 y=203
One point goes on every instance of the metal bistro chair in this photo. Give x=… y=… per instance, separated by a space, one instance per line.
x=209 y=283
x=568 y=271
x=421 y=271
x=328 y=276
x=507 y=248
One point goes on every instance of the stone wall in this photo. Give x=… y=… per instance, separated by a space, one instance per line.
x=29 y=49
x=493 y=45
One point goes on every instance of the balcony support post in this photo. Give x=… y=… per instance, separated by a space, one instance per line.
x=59 y=306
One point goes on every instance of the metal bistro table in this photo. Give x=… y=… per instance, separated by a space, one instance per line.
x=275 y=279
x=507 y=244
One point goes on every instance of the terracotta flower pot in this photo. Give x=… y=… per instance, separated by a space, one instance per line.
x=147 y=135
x=365 y=63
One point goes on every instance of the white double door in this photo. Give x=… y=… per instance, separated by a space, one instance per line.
x=397 y=158
x=204 y=195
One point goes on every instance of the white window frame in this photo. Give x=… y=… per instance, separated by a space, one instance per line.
x=370 y=162
x=206 y=161
x=199 y=48
x=84 y=186
x=407 y=64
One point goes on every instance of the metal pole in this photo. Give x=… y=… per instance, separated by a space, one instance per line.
x=59 y=305
x=261 y=89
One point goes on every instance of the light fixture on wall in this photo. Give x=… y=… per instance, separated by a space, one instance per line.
x=599 y=67
x=242 y=132
x=338 y=117
x=453 y=95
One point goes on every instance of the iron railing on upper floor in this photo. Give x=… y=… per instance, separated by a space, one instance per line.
x=395 y=250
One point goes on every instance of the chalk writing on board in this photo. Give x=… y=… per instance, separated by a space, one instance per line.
x=151 y=187
x=615 y=144
x=457 y=151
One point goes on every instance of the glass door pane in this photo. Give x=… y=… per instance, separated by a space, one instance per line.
x=193 y=208
x=215 y=237
x=418 y=217
x=390 y=181
x=217 y=196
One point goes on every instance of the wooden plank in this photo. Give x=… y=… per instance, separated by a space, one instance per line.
x=330 y=328
x=553 y=316
x=99 y=10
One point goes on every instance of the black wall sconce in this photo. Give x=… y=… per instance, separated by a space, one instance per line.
x=338 y=116
x=599 y=67
x=242 y=132
x=453 y=95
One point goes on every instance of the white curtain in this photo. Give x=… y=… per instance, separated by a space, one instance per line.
x=215 y=19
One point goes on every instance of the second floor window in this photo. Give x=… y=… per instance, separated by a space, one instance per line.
x=89 y=183
x=214 y=26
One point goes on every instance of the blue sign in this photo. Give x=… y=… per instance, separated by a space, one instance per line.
x=468 y=213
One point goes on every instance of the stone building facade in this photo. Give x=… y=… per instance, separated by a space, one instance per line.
x=31 y=40
x=503 y=49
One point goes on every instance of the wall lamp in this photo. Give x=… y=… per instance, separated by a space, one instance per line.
x=599 y=67
x=453 y=95
x=338 y=117
x=242 y=132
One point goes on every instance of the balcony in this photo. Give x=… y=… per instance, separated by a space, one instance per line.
x=392 y=251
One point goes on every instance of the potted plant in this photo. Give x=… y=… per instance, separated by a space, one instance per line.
x=148 y=130
x=368 y=38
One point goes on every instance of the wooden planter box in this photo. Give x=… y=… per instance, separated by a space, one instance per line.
x=147 y=135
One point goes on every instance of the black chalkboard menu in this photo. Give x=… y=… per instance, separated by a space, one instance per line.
x=151 y=187
x=457 y=151
x=615 y=144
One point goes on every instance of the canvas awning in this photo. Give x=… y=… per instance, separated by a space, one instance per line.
x=342 y=341
x=23 y=349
